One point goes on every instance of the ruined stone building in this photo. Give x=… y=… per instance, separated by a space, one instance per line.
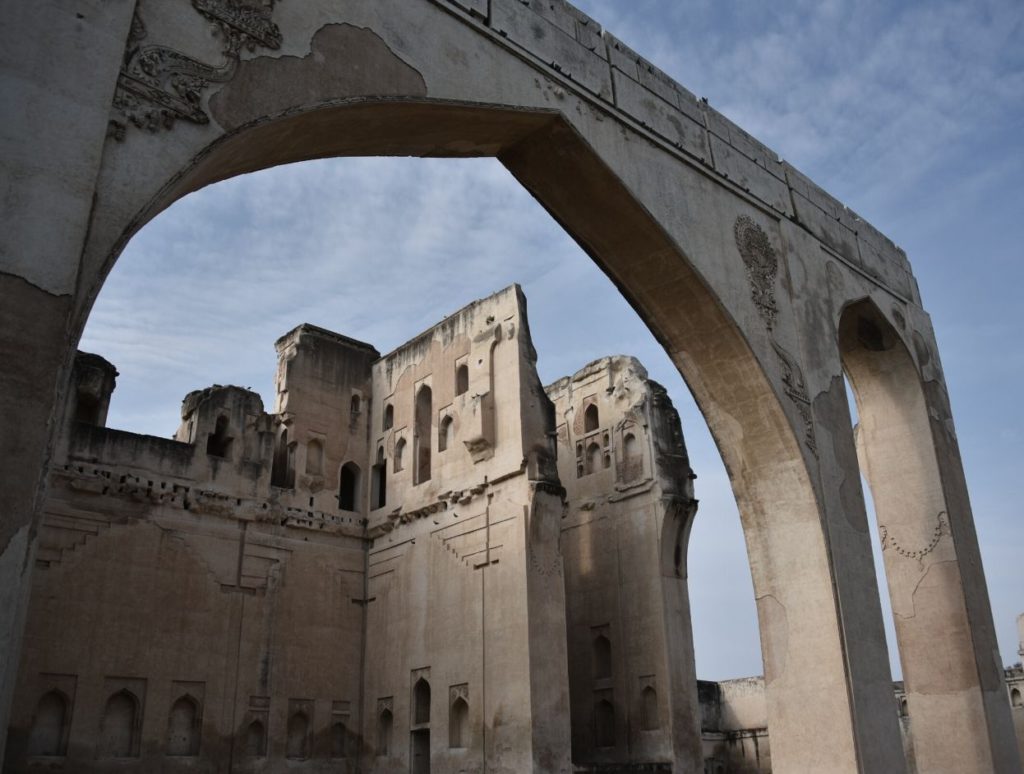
x=421 y=562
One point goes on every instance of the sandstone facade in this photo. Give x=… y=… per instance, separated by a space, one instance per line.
x=417 y=562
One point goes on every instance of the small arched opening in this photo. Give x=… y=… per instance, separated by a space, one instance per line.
x=593 y=457
x=119 y=732
x=389 y=417
x=379 y=481
x=421 y=440
x=604 y=724
x=50 y=725
x=282 y=472
x=421 y=702
x=591 y=420
x=356 y=404
x=314 y=458
x=458 y=723
x=632 y=458
x=400 y=455
x=462 y=379
x=602 y=657
x=256 y=740
x=339 y=739
x=297 y=745
x=1015 y=698
x=385 y=721
x=445 y=433
x=348 y=487
x=649 y=715
x=183 y=728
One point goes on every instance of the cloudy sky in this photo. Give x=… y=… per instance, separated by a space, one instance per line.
x=912 y=113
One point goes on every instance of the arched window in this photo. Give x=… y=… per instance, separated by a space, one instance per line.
x=399 y=454
x=379 y=482
x=183 y=729
x=604 y=724
x=314 y=458
x=1015 y=699
x=389 y=416
x=458 y=724
x=297 y=746
x=903 y=708
x=50 y=725
x=422 y=438
x=356 y=404
x=602 y=657
x=590 y=419
x=348 y=487
x=282 y=473
x=119 y=736
x=649 y=720
x=339 y=739
x=632 y=458
x=384 y=723
x=421 y=702
x=445 y=433
x=256 y=740
x=462 y=379
x=218 y=443
x=593 y=457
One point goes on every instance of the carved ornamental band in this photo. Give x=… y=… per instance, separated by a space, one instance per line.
x=158 y=85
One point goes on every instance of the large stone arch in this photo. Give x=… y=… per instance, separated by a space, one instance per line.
x=723 y=250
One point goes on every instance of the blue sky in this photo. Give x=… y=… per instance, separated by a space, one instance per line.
x=911 y=113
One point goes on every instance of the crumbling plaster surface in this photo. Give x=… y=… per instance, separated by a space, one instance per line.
x=583 y=123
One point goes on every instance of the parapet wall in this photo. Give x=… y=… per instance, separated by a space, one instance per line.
x=593 y=61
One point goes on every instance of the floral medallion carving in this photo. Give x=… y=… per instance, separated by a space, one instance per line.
x=158 y=85
x=762 y=264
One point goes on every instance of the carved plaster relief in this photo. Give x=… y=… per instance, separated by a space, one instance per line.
x=158 y=85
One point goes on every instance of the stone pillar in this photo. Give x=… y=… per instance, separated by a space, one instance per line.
x=907 y=449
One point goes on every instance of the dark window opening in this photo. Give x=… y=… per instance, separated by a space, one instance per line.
x=422 y=439
x=379 y=483
x=421 y=702
x=462 y=379
x=256 y=740
x=50 y=726
x=590 y=419
x=445 y=433
x=389 y=416
x=602 y=657
x=218 y=443
x=348 y=487
x=604 y=724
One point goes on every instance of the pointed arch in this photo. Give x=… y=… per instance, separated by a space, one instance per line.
x=297 y=743
x=50 y=725
x=119 y=726
x=421 y=701
x=385 y=721
x=349 y=481
x=423 y=433
x=445 y=433
x=183 y=727
x=256 y=739
x=591 y=418
x=458 y=723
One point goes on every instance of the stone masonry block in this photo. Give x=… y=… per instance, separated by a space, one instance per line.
x=622 y=56
x=744 y=142
x=652 y=78
x=884 y=267
x=551 y=43
x=473 y=7
x=658 y=115
x=803 y=185
x=826 y=228
x=750 y=176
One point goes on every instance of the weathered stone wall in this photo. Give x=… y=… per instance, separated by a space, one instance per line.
x=622 y=461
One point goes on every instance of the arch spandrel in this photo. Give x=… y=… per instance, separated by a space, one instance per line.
x=671 y=200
